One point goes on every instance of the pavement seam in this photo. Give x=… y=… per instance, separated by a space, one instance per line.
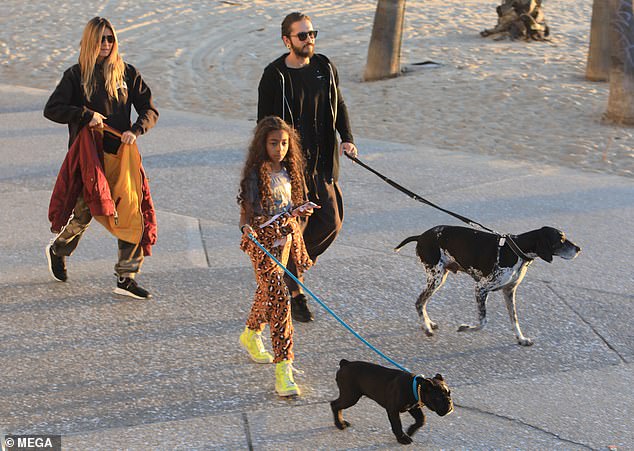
x=247 y=431
x=596 y=290
x=523 y=423
x=586 y=322
x=202 y=240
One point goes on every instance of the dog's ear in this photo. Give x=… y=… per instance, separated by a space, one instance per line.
x=544 y=249
x=439 y=377
x=426 y=383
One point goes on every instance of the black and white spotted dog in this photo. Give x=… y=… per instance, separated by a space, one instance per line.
x=492 y=263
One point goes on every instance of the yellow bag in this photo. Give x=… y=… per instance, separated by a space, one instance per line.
x=123 y=172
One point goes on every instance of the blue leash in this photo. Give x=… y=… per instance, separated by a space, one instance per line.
x=342 y=322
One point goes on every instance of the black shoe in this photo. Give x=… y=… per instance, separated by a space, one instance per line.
x=299 y=309
x=129 y=287
x=56 y=265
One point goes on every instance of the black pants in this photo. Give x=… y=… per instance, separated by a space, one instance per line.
x=322 y=227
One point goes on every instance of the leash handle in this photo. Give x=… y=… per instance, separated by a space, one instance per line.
x=319 y=301
x=514 y=247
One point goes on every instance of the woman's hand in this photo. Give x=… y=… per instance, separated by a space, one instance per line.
x=97 y=120
x=128 y=137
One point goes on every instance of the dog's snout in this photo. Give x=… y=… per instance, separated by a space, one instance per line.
x=568 y=250
x=448 y=411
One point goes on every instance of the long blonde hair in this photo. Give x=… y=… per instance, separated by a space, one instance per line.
x=113 y=66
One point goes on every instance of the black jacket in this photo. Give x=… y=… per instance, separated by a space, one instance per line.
x=68 y=104
x=274 y=98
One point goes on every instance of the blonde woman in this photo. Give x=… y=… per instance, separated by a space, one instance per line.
x=100 y=89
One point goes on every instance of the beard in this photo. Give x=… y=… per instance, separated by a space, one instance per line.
x=305 y=50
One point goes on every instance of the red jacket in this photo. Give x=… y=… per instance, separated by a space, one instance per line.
x=82 y=173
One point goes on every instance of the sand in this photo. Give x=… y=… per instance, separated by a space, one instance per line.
x=515 y=100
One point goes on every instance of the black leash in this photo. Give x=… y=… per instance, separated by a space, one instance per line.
x=503 y=237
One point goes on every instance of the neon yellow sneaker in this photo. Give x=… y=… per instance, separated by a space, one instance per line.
x=252 y=342
x=284 y=383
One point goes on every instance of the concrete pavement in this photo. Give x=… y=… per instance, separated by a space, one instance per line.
x=108 y=372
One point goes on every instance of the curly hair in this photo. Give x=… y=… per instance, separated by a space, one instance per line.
x=258 y=162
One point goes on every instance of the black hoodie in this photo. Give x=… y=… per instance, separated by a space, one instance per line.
x=68 y=105
x=275 y=97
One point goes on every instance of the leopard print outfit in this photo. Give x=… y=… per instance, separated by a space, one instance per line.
x=271 y=303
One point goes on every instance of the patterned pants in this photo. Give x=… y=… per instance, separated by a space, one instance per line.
x=271 y=303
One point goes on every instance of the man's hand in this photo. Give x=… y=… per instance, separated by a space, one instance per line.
x=348 y=148
x=128 y=137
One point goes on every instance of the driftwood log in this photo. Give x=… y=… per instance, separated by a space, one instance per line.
x=520 y=19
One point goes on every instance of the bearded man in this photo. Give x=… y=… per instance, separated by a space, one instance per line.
x=302 y=87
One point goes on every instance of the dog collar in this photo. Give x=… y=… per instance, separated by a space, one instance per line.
x=514 y=247
x=415 y=388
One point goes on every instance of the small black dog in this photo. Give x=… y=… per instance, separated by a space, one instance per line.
x=397 y=391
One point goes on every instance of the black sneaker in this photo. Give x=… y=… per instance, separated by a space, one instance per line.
x=299 y=309
x=129 y=287
x=56 y=265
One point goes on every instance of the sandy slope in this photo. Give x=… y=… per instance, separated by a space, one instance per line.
x=510 y=99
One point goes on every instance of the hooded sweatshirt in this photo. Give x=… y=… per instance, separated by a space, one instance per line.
x=277 y=95
x=68 y=104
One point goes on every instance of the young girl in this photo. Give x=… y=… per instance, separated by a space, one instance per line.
x=272 y=195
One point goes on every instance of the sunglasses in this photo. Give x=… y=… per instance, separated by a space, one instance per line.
x=109 y=38
x=303 y=35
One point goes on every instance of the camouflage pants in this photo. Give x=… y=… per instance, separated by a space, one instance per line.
x=65 y=243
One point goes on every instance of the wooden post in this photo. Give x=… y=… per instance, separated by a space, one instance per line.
x=598 y=67
x=621 y=99
x=384 y=51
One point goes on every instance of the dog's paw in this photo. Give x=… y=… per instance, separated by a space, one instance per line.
x=428 y=327
x=344 y=424
x=412 y=429
x=469 y=327
x=428 y=330
x=525 y=341
x=404 y=439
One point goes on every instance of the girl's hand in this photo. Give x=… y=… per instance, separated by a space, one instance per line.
x=304 y=210
x=246 y=230
x=128 y=137
x=97 y=120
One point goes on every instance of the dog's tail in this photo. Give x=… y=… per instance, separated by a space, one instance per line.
x=405 y=241
x=343 y=362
